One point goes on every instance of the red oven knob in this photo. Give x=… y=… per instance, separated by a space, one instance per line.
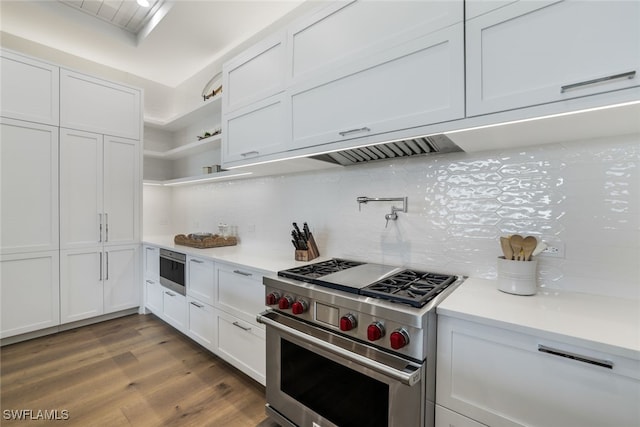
x=285 y=302
x=375 y=331
x=348 y=322
x=399 y=338
x=299 y=306
x=272 y=298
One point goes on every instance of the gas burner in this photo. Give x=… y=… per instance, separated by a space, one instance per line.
x=307 y=273
x=409 y=287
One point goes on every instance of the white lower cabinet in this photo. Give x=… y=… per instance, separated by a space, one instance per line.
x=448 y=418
x=500 y=377
x=242 y=344
x=29 y=292
x=240 y=291
x=153 y=296
x=96 y=281
x=200 y=279
x=202 y=323
x=174 y=309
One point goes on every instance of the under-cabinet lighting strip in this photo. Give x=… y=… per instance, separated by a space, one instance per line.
x=443 y=133
x=197 y=180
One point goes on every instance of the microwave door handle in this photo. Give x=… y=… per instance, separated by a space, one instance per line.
x=408 y=378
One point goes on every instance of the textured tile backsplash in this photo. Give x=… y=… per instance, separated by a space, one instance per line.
x=583 y=194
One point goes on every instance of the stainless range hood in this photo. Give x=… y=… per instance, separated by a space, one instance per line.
x=391 y=150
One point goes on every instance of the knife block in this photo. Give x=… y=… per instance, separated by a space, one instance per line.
x=311 y=253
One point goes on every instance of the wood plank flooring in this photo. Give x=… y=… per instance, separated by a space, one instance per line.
x=134 y=370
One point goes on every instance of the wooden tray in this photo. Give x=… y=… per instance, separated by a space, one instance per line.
x=214 y=241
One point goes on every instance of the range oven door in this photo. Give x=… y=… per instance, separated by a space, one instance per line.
x=317 y=378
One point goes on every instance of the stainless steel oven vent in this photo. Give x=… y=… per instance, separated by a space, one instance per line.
x=391 y=150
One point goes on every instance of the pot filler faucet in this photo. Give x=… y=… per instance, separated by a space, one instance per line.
x=394 y=210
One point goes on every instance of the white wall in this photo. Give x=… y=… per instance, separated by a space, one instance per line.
x=585 y=194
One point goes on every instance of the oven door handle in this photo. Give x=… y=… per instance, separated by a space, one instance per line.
x=408 y=378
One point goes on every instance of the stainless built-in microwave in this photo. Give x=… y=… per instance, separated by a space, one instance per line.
x=172 y=270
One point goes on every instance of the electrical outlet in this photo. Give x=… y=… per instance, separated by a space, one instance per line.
x=554 y=249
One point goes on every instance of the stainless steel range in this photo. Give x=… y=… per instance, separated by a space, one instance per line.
x=352 y=344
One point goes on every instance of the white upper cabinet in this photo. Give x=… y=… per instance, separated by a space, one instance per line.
x=255 y=74
x=96 y=105
x=30 y=89
x=418 y=83
x=530 y=53
x=347 y=31
x=29 y=187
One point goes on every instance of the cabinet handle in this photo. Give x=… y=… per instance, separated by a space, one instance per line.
x=100 y=266
x=170 y=294
x=244 y=328
x=197 y=305
x=250 y=153
x=150 y=249
x=242 y=273
x=586 y=359
x=149 y=282
x=197 y=261
x=107 y=275
x=627 y=75
x=106 y=227
x=350 y=131
x=100 y=228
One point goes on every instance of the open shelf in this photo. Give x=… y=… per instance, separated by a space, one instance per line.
x=199 y=179
x=209 y=108
x=196 y=147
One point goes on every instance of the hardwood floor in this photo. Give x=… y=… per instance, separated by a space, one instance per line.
x=134 y=370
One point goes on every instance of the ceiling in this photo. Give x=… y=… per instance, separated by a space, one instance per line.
x=181 y=39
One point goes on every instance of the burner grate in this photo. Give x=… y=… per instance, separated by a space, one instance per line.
x=409 y=287
x=307 y=273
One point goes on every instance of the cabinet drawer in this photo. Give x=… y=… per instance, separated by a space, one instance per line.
x=174 y=309
x=419 y=83
x=500 y=378
x=447 y=418
x=202 y=323
x=240 y=291
x=201 y=279
x=243 y=345
x=96 y=105
x=344 y=32
x=30 y=89
x=531 y=53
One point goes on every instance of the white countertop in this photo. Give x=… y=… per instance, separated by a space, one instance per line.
x=257 y=258
x=612 y=324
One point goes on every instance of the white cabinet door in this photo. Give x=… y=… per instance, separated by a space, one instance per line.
x=29 y=89
x=255 y=74
x=96 y=105
x=81 y=286
x=344 y=32
x=174 y=309
x=530 y=53
x=153 y=296
x=29 y=187
x=418 y=83
x=202 y=323
x=240 y=291
x=151 y=262
x=255 y=131
x=201 y=279
x=243 y=345
x=502 y=378
x=122 y=188
x=81 y=182
x=29 y=292
x=122 y=288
